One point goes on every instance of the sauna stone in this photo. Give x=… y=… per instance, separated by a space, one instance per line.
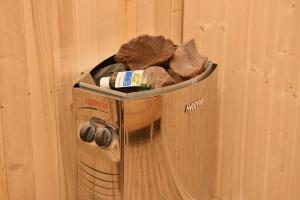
x=162 y=78
x=145 y=51
x=187 y=62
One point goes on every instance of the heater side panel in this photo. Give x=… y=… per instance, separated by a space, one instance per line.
x=170 y=144
x=190 y=141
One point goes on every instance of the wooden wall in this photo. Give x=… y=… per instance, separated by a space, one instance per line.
x=45 y=45
x=257 y=44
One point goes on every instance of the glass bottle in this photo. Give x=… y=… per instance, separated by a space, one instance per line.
x=129 y=81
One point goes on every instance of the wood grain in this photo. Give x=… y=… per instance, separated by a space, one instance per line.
x=65 y=72
x=3 y=181
x=15 y=102
x=260 y=64
x=87 y=34
x=38 y=35
x=285 y=111
x=170 y=25
x=258 y=102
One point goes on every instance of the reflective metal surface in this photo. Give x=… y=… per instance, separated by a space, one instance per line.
x=169 y=153
x=98 y=161
x=163 y=146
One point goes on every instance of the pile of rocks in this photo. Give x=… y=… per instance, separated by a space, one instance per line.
x=169 y=63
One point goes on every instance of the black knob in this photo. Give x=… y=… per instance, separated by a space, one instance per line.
x=103 y=137
x=87 y=132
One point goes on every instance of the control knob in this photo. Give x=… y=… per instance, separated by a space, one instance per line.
x=87 y=132
x=103 y=137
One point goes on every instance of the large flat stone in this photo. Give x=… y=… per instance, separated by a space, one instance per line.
x=145 y=51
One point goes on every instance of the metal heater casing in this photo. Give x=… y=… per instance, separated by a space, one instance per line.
x=163 y=145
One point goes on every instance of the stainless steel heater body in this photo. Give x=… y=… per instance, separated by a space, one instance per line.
x=152 y=145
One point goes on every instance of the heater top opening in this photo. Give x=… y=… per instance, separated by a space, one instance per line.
x=87 y=82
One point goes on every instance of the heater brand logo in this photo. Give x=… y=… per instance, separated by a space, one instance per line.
x=100 y=105
x=194 y=105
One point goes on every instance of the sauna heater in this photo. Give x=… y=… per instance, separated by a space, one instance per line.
x=158 y=144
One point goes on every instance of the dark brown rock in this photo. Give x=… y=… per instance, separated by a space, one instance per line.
x=145 y=51
x=162 y=78
x=108 y=71
x=187 y=62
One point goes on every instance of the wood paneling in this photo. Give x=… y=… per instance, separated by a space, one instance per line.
x=256 y=44
x=44 y=48
x=38 y=36
x=15 y=104
x=65 y=70
x=45 y=45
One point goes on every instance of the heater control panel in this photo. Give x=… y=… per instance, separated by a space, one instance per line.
x=101 y=134
x=98 y=146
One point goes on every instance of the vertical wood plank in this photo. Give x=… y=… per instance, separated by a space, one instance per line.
x=294 y=193
x=110 y=27
x=3 y=181
x=154 y=17
x=15 y=112
x=259 y=70
x=233 y=100
x=130 y=19
x=146 y=17
x=169 y=19
x=39 y=50
x=177 y=21
x=285 y=110
x=163 y=20
x=87 y=34
x=65 y=74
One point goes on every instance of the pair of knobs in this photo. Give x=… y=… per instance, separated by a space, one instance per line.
x=102 y=136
